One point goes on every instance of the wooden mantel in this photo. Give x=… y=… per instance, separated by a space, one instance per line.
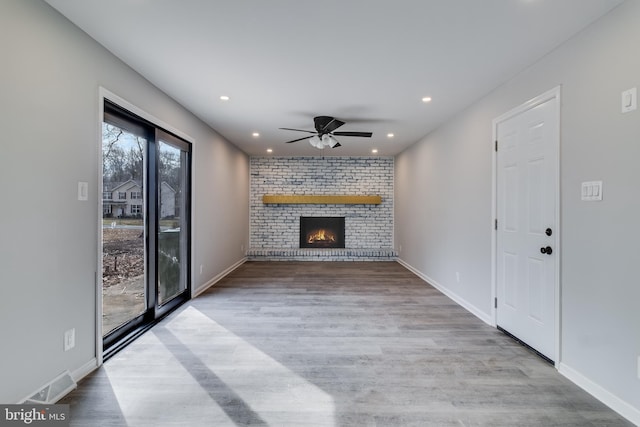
x=323 y=199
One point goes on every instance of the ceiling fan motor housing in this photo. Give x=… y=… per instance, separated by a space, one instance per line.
x=326 y=124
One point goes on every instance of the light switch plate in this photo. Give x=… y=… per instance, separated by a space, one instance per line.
x=83 y=191
x=592 y=191
x=629 y=100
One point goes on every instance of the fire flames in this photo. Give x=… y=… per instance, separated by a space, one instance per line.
x=320 y=236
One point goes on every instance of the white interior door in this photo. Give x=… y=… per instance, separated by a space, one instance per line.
x=526 y=241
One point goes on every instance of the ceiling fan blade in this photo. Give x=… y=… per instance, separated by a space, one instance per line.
x=298 y=130
x=296 y=140
x=337 y=145
x=361 y=134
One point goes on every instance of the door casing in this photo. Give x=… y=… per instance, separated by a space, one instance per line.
x=551 y=94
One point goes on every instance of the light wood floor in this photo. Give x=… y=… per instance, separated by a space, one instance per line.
x=328 y=344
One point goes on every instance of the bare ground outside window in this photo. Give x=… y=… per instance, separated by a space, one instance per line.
x=122 y=273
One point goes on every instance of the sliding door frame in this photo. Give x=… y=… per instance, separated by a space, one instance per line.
x=156 y=312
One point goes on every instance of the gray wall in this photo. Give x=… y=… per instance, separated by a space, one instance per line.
x=49 y=81
x=443 y=202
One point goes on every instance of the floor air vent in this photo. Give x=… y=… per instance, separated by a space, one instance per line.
x=54 y=390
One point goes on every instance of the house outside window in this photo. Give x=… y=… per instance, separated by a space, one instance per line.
x=106 y=209
x=136 y=209
x=107 y=195
x=122 y=195
x=136 y=194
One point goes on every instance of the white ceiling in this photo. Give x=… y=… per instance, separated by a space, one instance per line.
x=366 y=62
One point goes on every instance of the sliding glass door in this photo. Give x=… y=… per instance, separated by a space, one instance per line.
x=173 y=225
x=145 y=226
x=124 y=225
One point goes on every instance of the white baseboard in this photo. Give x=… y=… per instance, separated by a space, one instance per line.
x=85 y=370
x=612 y=401
x=486 y=318
x=217 y=278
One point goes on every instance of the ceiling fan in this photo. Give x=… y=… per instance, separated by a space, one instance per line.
x=325 y=133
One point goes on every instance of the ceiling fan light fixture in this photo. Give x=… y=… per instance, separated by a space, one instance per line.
x=333 y=142
x=315 y=141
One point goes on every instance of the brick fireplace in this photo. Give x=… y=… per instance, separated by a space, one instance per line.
x=275 y=227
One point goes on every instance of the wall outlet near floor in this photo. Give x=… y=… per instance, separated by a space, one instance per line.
x=201 y=269
x=457 y=276
x=69 y=339
x=639 y=367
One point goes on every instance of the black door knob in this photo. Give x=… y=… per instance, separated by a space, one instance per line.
x=546 y=250
x=548 y=232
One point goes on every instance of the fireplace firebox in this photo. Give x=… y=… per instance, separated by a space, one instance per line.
x=321 y=232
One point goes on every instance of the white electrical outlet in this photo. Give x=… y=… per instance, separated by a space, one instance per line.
x=457 y=276
x=639 y=367
x=200 y=268
x=69 y=339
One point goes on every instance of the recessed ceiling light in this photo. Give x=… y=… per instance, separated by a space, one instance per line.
x=426 y=99
x=224 y=98
x=255 y=134
x=390 y=135
x=269 y=150
x=374 y=151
